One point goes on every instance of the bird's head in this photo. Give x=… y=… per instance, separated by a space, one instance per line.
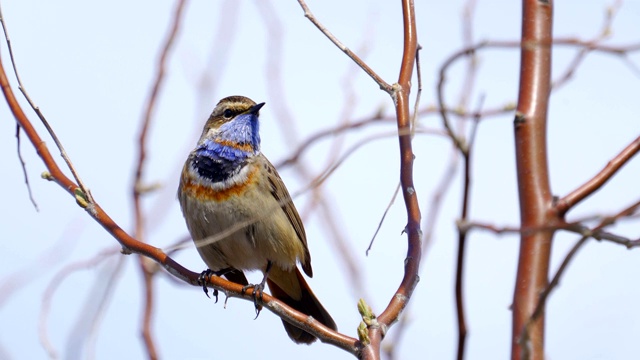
x=234 y=122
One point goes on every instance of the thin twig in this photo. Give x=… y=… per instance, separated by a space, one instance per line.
x=462 y=239
x=107 y=290
x=604 y=33
x=446 y=122
x=465 y=152
x=576 y=227
x=148 y=114
x=24 y=169
x=384 y=215
x=416 y=104
x=205 y=80
x=595 y=183
x=147 y=317
x=586 y=45
x=86 y=193
x=600 y=235
x=525 y=334
x=380 y=118
x=309 y=15
x=333 y=131
x=54 y=284
x=351 y=150
x=318 y=195
x=391 y=345
x=138 y=181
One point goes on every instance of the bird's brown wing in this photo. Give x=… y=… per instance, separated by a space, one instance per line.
x=291 y=288
x=280 y=193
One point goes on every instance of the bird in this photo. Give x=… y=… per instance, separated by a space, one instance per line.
x=240 y=214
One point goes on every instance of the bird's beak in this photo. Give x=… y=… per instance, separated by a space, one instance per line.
x=255 y=108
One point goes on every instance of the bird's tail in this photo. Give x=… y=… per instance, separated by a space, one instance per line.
x=291 y=288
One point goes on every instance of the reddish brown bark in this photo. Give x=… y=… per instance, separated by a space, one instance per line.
x=530 y=127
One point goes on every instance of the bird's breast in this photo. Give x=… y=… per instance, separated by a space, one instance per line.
x=195 y=186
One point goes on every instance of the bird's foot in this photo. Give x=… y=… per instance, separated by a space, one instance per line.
x=258 y=290
x=203 y=280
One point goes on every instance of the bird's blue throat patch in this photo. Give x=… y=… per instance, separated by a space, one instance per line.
x=217 y=162
x=243 y=129
x=222 y=157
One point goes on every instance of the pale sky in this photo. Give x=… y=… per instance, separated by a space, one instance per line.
x=89 y=68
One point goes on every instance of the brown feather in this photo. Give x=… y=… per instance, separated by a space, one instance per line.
x=280 y=193
x=291 y=288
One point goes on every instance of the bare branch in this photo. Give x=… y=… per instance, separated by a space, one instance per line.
x=286 y=120
x=24 y=168
x=604 y=33
x=539 y=308
x=470 y=50
x=50 y=290
x=594 y=184
x=86 y=194
x=148 y=309
x=576 y=227
x=384 y=215
x=309 y=15
x=414 y=234
x=138 y=186
x=532 y=172
x=462 y=240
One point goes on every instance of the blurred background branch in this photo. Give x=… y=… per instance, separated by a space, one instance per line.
x=333 y=132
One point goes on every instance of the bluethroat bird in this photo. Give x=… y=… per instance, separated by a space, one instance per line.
x=240 y=214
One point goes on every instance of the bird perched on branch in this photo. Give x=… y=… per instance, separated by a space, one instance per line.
x=241 y=216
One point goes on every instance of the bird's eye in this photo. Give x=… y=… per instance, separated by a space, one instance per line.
x=227 y=113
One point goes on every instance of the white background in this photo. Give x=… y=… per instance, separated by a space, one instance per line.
x=90 y=66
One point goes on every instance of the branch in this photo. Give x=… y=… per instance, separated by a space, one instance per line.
x=84 y=191
x=594 y=184
x=575 y=227
x=586 y=45
x=565 y=263
x=400 y=94
x=605 y=32
x=51 y=289
x=414 y=121
x=462 y=240
x=138 y=187
x=147 y=317
x=309 y=15
x=414 y=234
x=530 y=126
x=380 y=118
x=325 y=173
x=24 y=169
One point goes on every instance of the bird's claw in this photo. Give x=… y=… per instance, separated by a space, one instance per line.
x=256 y=293
x=203 y=280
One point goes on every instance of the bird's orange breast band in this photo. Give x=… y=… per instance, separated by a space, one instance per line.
x=204 y=192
